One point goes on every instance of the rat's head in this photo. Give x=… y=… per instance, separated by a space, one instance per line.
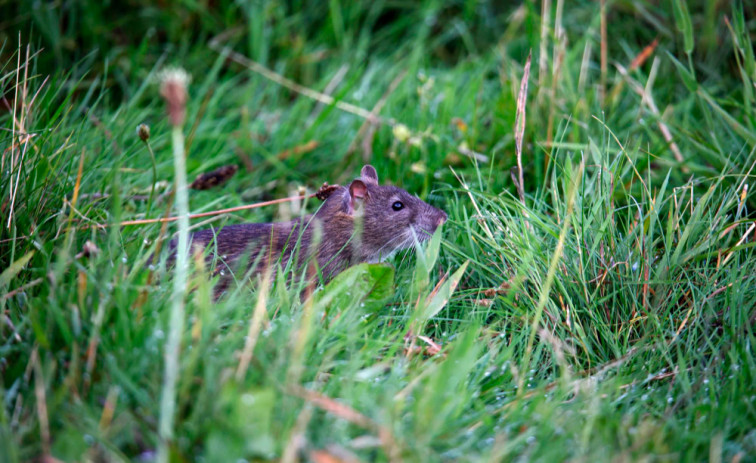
x=391 y=218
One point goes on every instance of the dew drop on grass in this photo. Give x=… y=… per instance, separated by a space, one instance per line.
x=669 y=399
x=159 y=334
x=531 y=439
x=124 y=259
x=151 y=268
x=644 y=397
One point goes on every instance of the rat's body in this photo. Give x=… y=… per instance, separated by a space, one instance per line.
x=364 y=222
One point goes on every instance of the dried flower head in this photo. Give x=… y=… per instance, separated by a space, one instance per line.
x=173 y=83
x=401 y=133
x=88 y=250
x=214 y=178
x=143 y=132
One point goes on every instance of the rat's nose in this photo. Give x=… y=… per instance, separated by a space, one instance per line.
x=441 y=218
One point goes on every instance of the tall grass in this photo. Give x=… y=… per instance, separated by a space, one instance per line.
x=607 y=316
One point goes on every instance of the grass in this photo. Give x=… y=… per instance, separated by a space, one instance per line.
x=609 y=316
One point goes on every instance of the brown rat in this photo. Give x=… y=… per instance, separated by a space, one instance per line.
x=364 y=222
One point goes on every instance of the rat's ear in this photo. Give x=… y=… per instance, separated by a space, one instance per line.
x=357 y=192
x=357 y=189
x=369 y=175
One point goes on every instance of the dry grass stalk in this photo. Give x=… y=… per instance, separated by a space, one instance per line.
x=40 y=395
x=371 y=121
x=330 y=87
x=295 y=87
x=351 y=415
x=297 y=438
x=641 y=57
x=19 y=127
x=604 y=53
x=255 y=326
x=522 y=99
x=648 y=99
x=173 y=89
x=297 y=150
x=543 y=59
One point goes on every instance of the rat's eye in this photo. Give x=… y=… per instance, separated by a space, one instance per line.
x=397 y=206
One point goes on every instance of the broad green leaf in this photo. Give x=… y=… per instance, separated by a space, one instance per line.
x=14 y=269
x=443 y=400
x=426 y=259
x=369 y=285
x=431 y=251
x=441 y=298
x=243 y=424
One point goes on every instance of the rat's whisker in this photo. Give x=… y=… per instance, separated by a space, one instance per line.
x=390 y=245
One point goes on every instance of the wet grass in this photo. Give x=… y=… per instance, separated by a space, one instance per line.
x=609 y=316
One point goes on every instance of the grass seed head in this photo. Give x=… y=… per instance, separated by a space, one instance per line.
x=173 y=83
x=143 y=132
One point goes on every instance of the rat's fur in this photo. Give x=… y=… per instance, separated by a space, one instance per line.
x=355 y=224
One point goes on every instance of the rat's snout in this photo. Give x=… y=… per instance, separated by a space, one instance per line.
x=441 y=218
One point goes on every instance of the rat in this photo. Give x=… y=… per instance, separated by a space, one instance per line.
x=364 y=222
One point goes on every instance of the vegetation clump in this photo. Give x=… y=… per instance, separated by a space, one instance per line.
x=592 y=296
